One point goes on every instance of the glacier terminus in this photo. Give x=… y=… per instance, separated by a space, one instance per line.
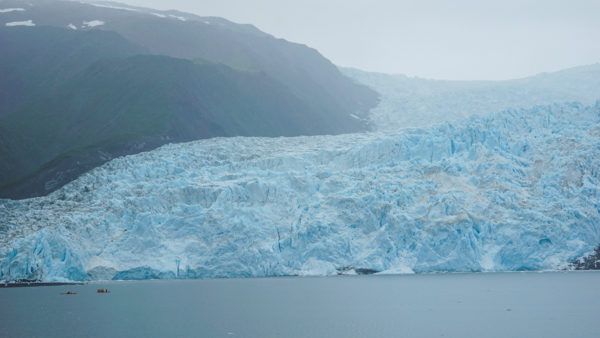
x=508 y=191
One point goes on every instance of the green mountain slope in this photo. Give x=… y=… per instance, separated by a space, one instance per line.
x=307 y=73
x=35 y=60
x=82 y=107
x=89 y=82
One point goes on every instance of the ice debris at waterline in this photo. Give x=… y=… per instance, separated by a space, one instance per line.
x=518 y=190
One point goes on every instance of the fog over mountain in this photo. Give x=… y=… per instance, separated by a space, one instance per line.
x=438 y=39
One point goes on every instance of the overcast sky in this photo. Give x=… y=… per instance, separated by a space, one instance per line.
x=453 y=39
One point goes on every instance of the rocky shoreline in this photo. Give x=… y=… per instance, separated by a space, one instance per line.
x=589 y=262
x=24 y=284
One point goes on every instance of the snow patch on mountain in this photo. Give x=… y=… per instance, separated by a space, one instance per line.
x=113 y=7
x=93 y=23
x=138 y=10
x=27 y=23
x=180 y=18
x=8 y=10
x=517 y=190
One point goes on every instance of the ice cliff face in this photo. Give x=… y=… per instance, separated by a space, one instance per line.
x=517 y=190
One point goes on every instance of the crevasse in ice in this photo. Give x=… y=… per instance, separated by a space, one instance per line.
x=517 y=190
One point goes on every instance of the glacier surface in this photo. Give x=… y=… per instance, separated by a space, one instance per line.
x=516 y=190
x=416 y=102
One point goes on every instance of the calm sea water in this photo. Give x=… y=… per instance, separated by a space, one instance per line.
x=447 y=305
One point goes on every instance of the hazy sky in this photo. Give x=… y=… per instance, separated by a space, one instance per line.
x=453 y=39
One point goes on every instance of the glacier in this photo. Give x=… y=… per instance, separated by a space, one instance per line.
x=417 y=102
x=509 y=191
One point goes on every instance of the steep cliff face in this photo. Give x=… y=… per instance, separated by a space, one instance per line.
x=518 y=190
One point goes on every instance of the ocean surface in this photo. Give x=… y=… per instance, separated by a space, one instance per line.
x=552 y=304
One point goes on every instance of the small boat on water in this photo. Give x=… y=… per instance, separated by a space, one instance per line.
x=102 y=291
x=69 y=293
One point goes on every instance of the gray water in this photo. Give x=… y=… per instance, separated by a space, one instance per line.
x=443 y=305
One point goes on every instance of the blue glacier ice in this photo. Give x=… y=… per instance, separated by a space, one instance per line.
x=515 y=190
